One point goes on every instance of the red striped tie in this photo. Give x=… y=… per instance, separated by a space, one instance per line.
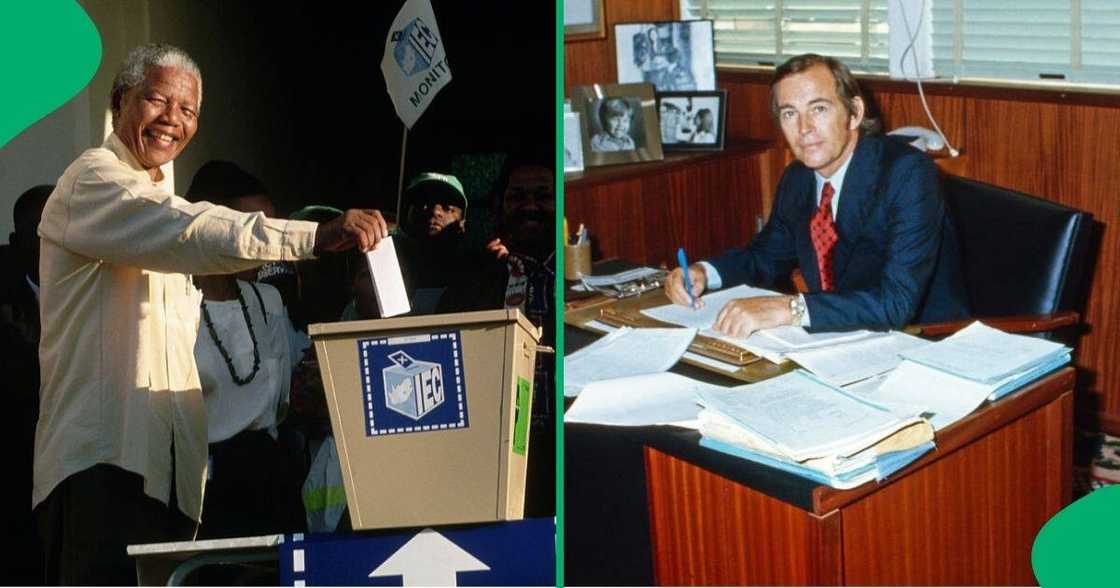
x=823 y=232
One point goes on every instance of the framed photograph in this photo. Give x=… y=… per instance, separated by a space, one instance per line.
x=692 y=121
x=573 y=143
x=583 y=19
x=674 y=56
x=620 y=123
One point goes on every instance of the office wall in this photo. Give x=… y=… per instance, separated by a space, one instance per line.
x=1062 y=146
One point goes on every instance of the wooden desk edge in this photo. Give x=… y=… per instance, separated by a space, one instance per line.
x=973 y=427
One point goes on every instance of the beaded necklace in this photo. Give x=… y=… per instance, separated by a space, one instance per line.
x=222 y=350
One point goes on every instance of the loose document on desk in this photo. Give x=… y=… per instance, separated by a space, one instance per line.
x=652 y=399
x=846 y=363
x=773 y=344
x=625 y=352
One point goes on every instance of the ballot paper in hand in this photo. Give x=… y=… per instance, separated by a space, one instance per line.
x=388 y=284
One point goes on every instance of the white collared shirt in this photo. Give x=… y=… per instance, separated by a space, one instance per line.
x=837 y=181
x=119 y=320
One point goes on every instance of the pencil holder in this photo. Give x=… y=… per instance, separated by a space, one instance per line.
x=577 y=261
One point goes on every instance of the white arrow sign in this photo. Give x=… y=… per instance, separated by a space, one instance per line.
x=429 y=559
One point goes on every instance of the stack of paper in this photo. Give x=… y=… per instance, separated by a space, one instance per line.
x=800 y=424
x=773 y=344
x=954 y=376
x=625 y=352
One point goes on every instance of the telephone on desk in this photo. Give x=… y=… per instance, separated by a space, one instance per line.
x=921 y=138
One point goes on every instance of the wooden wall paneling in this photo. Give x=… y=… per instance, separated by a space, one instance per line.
x=705 y=207
x=1089 y=173
x=1010 y=495
x=592 y=61
x=609 y=211
x=696 y=530
x=748 y=111
x=904 y=110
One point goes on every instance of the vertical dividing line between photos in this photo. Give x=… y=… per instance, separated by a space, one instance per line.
x=558 y=305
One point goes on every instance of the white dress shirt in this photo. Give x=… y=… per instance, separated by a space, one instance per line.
x=119 y=318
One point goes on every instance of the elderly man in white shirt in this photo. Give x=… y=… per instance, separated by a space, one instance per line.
x=120 y=448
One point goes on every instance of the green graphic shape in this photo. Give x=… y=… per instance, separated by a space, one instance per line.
x=1072 y=548
x=521 y=416
x=49 y=51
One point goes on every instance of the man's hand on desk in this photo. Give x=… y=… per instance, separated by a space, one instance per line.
x=743 y=316
x=676 y=291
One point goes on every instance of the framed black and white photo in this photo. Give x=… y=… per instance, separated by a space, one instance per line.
x=583 y=19
x=573 y=143
x=674 y=56
x=692 y=121
x=619 y=123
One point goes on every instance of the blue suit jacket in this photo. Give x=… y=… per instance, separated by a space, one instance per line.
x=896 y=261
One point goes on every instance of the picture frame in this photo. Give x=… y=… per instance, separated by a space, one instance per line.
x=583 y=20
x=619 y=123
x=674 y=56
x=692 y=121
x=573 y=142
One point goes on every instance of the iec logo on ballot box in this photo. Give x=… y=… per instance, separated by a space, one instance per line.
x=413 y=384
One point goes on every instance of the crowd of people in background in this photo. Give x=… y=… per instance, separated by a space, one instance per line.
x=271 y=462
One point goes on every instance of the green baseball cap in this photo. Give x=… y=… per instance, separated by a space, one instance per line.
x=445 y=185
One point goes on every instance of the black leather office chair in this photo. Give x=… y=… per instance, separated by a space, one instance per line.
x=1026 y=261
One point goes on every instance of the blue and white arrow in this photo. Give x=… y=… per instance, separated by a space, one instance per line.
x=429 y=559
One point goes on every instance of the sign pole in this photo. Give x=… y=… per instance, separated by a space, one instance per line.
x=400 y=178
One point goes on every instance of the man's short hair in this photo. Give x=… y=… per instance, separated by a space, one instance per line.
x=219 y=182
x=612 y=107
x=30 y=204
x=135 y=67
x=847 y=88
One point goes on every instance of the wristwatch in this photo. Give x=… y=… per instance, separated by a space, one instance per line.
x=796 y=310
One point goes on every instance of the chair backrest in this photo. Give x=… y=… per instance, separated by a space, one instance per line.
x=1020 y=254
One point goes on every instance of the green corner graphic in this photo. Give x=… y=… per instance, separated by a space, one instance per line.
x=49 y=51
x=1072 y=548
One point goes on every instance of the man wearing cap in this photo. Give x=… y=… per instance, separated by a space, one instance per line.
x=434 y=248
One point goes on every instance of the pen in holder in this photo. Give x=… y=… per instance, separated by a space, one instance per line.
x=577 y=260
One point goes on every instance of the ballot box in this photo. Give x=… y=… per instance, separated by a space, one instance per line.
x=430 y=415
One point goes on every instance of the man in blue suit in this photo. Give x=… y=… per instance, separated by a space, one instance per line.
x=861 y=215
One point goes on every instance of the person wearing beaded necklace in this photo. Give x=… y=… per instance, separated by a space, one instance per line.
x=244 y=366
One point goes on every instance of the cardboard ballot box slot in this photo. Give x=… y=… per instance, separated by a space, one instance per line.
x=430 y=415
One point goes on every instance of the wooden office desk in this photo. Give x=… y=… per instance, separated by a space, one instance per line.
x=965 y=514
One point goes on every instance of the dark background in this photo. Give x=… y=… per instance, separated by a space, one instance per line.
x=336 y=113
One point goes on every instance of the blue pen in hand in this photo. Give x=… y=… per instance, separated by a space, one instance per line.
x=687 y=278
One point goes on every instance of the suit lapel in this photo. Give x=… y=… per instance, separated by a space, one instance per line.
x=856 y=197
